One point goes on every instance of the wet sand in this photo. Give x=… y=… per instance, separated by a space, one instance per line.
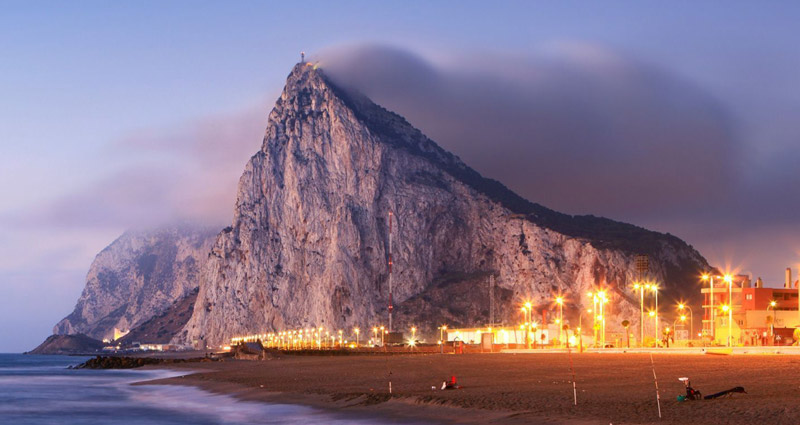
x=519 y=388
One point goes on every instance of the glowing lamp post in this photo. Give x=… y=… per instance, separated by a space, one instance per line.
x=414 y=333
x=357 y=331
x=772 y=305
x=729 y=279
x=712 y=313
x=639 y=287
x=441 y=338
x=654 y=288
x=727 y=309
x=602 y=300
x=682 y=307
x=652 y=314
x=560 y=302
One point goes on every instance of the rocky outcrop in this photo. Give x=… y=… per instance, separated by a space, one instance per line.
x=68 y=344
x=137 y=277
x=308 y=243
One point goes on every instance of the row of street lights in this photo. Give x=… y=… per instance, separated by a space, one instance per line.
x=317 y=338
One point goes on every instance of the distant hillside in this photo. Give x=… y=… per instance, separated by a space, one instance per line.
x=68 y=344
x=137 y=277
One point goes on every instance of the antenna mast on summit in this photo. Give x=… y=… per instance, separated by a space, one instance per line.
x=390 y=271
x=302 y=57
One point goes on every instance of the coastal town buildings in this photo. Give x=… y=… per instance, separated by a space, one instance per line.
x=748 y=313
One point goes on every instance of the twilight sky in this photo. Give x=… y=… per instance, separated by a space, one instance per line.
x=678 y=117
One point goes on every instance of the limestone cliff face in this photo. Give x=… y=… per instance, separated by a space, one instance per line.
x=308 y=243
x=137 y=277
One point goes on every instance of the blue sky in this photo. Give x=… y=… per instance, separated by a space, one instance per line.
x=95 y=92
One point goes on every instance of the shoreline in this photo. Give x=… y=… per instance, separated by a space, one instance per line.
x=411 y=409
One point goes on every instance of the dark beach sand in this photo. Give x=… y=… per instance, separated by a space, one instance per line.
x=519 y=388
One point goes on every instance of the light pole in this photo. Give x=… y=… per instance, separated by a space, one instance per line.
x=524 y=327
x=602 y=300
x=772 y=305
x=710 y=278
x=654 y=287
x=528 y=320
x=638 y=286
x=560 y=302
x=357 y=331
x=374 y=335
x=653 y=315
x=594 y=297
x=682 y=307
x=383 y=337
x=729 y=279
x=441 y=338
x=535 y=327
x=726 y=309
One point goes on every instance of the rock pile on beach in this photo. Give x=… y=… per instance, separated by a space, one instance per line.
x=114 y=362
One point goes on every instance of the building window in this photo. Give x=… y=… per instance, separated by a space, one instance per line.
x=749 y=296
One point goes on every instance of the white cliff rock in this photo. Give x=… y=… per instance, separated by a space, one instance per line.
x=308 y=243
x=137 y=277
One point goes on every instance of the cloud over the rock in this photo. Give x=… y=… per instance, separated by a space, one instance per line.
x=576 y=127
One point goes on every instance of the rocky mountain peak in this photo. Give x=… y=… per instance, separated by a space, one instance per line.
x=308 y=243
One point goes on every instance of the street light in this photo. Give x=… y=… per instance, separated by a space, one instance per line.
x=772 y=305
x=652 y=314
x=441 y=338
x=654 y=288
x=640 y=287
x=357 y=331
x=602 y=300
x=560 y=302
x=729 y=279
x=727 y=309
x=682 y=307
x=711 y=306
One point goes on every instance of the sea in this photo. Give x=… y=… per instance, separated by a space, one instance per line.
x=38 y=389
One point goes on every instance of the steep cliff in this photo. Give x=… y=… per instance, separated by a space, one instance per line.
x=308 y=243
x=137 y=277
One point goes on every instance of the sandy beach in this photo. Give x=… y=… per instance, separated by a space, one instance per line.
x=519 y=388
